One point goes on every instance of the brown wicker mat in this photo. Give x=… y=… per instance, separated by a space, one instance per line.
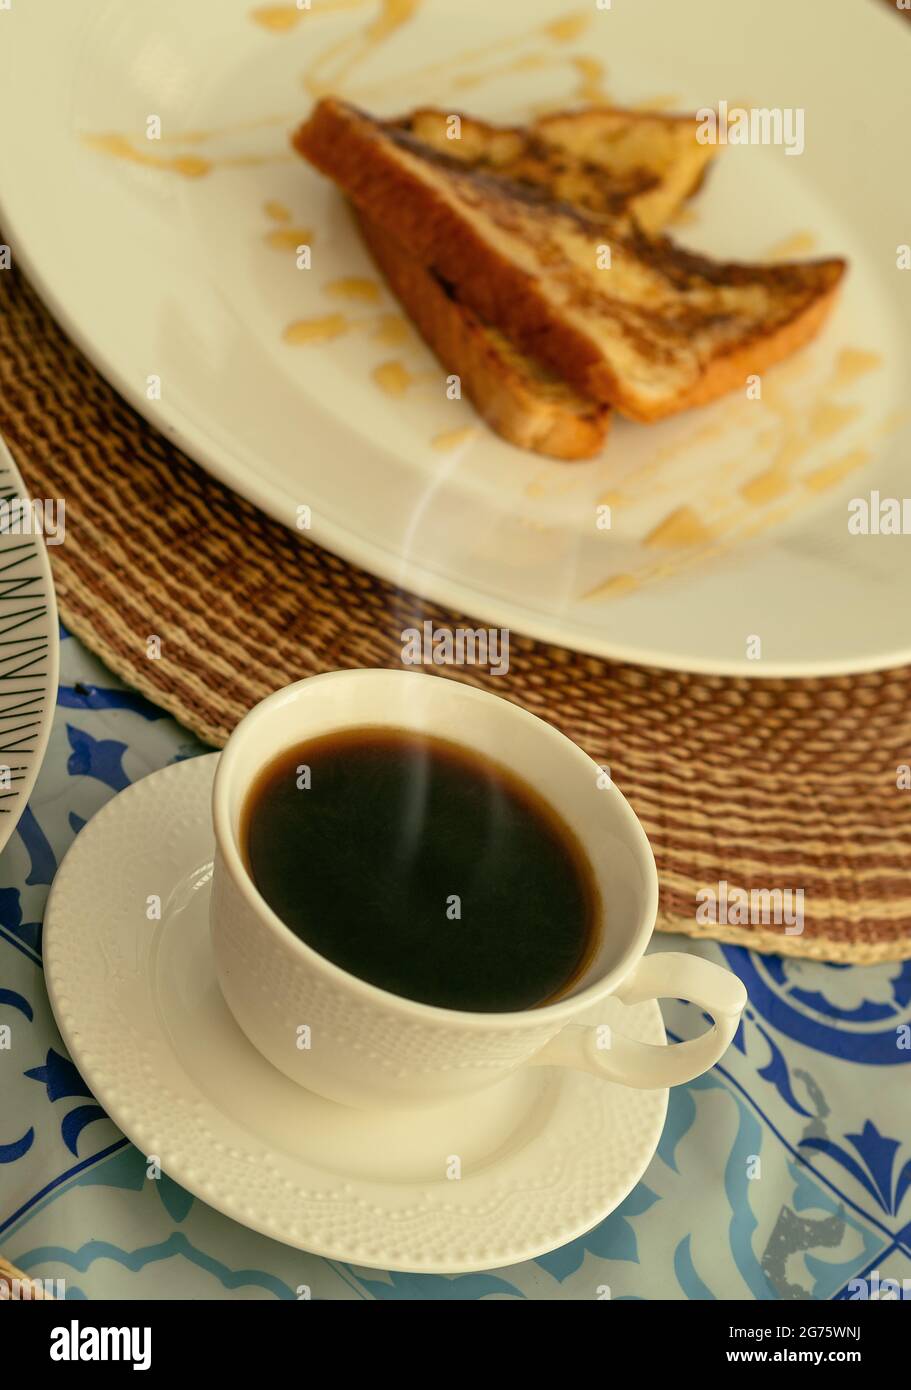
x=763 y=784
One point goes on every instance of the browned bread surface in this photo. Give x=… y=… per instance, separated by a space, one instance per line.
x=605 y=160
x=524 y=403
x=658 y=331
x=626 y=163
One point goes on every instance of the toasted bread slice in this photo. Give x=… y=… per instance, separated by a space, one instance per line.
x=608 y=161
x=525 y=403
x=621 y=162
x=605 y=160
x=653 y=332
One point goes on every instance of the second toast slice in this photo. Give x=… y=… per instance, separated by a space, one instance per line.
x=634 y=165
x=523 y=402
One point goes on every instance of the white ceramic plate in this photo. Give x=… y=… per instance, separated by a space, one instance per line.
x=29 y=648
x=160 y=258
x=545 y=1155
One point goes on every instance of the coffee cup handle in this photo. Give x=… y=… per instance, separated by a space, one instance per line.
x=647 y=1066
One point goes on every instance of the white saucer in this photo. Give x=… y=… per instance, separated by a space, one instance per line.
x=544 y=1156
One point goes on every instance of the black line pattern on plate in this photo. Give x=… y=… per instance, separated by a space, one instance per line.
x=24 y=651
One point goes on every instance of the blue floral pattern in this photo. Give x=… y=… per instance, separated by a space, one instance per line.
x=783 y=1173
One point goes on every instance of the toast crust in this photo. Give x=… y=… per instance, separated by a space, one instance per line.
x=358 y=154
x=520 y=272
x=525 y=407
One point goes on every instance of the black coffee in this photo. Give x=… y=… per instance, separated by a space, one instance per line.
x=414 y=864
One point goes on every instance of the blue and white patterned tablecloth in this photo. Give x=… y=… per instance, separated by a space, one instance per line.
x=783 y=1173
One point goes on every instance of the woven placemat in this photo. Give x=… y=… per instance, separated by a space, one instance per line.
x=762 y=784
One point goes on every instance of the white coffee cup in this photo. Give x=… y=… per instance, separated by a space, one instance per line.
x=353 y=1042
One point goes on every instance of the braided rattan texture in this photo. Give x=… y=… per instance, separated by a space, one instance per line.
x=762 y=783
